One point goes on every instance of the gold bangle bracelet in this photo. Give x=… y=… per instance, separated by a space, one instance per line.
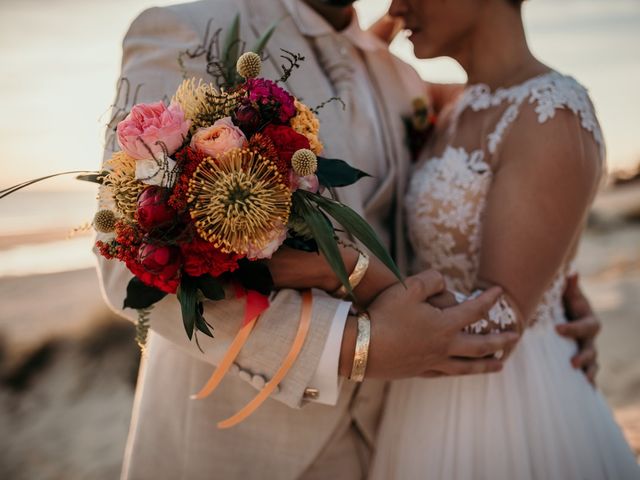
x=362 y=348
x=359 y=271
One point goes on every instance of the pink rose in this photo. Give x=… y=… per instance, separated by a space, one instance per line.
x=152 y=125
x=219 y=138
x=276 y=237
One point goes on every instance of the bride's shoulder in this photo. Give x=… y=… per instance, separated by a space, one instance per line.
x=555 y=91
x=552 y=103
x=555 y=131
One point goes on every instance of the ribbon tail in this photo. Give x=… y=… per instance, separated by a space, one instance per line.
x=230 y=355
x=296 y=347
x=255 y=305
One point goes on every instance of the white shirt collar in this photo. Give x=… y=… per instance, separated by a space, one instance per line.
x=312 y=24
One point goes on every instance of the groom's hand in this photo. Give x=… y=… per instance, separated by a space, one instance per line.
x=411 y=338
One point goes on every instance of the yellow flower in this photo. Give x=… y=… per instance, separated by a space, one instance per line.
x=121 y=183
x=203 y=104
x=238 y=200
x=306 y=123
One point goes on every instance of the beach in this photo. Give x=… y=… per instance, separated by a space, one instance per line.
x=68 y=365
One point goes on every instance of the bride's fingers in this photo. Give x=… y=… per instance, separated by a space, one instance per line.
x=479 y=346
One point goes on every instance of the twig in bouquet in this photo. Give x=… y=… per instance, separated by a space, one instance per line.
x=316 y=109
x=120 y=111
x=293 y=62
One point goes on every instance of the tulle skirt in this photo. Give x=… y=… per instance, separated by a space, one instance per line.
x=537 y=419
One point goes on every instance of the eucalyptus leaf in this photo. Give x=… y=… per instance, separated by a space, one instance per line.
x=201 y=323
x=356 y=226
x=324 y=236
x=188 y=297
x=141 y=295
x=337 y=173
x=231 y=50
x=261 y=42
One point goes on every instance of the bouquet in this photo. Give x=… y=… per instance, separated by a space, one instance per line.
x=206 y=186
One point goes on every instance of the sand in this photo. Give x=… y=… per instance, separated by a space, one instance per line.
x=68 y=365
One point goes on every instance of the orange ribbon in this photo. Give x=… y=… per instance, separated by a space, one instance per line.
x=296 y=347
x=256 y=304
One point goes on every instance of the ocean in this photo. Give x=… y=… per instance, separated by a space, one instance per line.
x=61 y=61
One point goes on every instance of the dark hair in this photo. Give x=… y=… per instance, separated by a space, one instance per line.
x=516 y=3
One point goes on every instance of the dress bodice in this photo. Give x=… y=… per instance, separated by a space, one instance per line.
x=448 y=191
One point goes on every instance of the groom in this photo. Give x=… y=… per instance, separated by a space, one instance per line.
x=317 y=425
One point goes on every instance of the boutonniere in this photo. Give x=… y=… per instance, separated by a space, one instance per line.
x=419 y=126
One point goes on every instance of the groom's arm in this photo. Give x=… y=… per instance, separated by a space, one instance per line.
x=150 y=53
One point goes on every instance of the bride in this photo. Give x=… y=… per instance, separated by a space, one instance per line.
x=499 y=197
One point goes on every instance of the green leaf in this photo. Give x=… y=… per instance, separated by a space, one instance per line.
x=141 y=295
x=337 y=173
x=210 y=287
x=97 y=177
x=356 y=226
x=324 y=236
x=201 y=323
x=188 y=297
x=261 y=42
x=231 y=49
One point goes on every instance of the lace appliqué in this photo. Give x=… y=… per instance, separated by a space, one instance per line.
x=549 y=92
x=501 y=316
x=444 y=204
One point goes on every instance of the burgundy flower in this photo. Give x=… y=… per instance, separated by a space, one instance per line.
x=158 y=265
x=247 y=118
x=153 y=210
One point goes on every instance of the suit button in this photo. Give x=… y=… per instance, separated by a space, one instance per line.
x=258 y=381
x=311 y=393
x=244 y=375
x=234 y=369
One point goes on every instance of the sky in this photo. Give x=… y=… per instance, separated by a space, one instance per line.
x=59 y=62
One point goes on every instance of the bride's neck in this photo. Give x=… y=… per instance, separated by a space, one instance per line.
x=496 y=52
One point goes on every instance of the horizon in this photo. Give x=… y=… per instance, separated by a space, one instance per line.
x=56 y=88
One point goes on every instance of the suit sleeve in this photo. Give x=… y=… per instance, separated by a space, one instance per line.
x=150 y=61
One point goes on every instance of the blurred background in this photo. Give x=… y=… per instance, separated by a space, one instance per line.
x=68 y=367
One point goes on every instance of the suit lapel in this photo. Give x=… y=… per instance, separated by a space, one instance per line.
x=393 y=103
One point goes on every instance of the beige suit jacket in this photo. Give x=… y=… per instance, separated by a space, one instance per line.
x=172 y=436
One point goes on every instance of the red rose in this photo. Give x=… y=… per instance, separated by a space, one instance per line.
x=286 y=140
x=201 y=257
x=153 y=209
x=158 y=266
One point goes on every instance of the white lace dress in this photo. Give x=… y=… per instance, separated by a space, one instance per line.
x=539 y=418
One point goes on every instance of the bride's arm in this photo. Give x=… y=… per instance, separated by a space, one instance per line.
x=546 y=176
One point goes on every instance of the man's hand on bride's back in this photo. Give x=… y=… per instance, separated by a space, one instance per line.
x=410 y=337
